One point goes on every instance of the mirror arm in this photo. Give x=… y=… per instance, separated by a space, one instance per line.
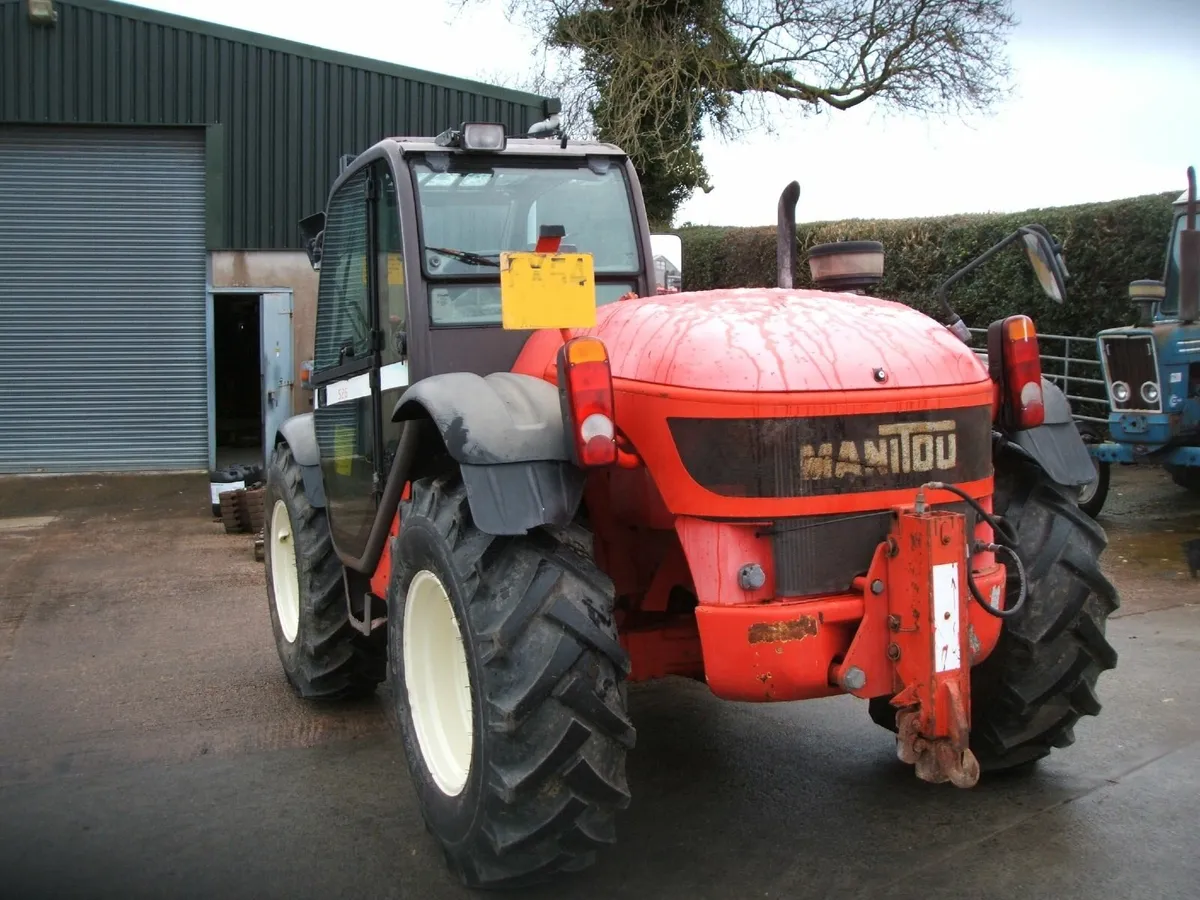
x=951 y=317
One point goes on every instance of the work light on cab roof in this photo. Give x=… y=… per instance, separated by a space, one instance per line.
x=474 y=137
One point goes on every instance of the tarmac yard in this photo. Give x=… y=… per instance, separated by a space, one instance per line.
x=150 y=747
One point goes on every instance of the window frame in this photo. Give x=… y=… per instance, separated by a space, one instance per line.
x=355 y=182
x=440 y=162
x=388 y=200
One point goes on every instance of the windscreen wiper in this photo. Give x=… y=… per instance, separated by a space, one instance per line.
x=466 y=256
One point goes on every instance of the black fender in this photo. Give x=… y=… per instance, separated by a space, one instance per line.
x=300 y=434
x=1056 y=445
x=506 y=432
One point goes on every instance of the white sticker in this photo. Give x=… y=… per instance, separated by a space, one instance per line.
x=1176 y=377
x=217 y=489
x=947 y=653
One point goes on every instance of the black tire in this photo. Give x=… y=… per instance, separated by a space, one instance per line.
x=1041 y=678
x=550 y=731
x=328 y=659
x=1092 y=496
x=1186 y=477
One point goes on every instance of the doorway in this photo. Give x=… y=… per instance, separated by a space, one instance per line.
x=237 y=379
x=251 y=377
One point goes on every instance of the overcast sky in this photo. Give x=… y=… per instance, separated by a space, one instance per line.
x=1104 y=106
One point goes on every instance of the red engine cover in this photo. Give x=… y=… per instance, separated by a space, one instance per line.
x=768 y=339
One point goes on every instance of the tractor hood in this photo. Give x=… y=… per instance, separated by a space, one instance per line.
x=769 y=339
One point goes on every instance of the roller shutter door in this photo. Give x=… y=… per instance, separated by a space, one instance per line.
x=103 y=350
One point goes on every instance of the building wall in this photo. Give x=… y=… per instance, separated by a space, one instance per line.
x=277 y=269
x=278 y=114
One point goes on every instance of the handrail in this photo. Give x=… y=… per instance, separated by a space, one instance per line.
x=1076 y=370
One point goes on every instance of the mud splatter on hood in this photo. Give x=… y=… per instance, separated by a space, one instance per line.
x=768 y=339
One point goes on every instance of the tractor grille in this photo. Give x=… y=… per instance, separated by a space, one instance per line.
x=1131 y=360
x=828 y=455
x=824 y=554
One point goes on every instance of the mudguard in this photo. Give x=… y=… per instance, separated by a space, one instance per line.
x=500 y=418
x=505 y=430
x=300 y=434
x=1056 y=445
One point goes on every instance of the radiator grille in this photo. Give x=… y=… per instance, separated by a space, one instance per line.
x=824 y=554
x=1131 y=360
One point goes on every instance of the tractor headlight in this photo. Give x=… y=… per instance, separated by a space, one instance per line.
x=1150 y=392
x=1120 y=391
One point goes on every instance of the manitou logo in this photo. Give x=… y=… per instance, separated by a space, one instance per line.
x=900 y=450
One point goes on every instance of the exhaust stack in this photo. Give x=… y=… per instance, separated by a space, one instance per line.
x=1189 y=258
x=785 y=237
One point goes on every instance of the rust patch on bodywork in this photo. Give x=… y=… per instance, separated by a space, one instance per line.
x=792 y=630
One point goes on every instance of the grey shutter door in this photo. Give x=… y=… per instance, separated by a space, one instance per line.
x=103 y=330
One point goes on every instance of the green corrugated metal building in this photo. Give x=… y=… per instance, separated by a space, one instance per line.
x=152 y=172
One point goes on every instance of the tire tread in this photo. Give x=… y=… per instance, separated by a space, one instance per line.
x=554 y=717
x=335 y=662
x=1040 y=680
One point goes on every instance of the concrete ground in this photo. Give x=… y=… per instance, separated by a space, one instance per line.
x=149 y=746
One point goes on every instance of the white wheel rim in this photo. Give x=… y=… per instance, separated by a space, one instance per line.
x=1088 y=491
x=438 y=683
x=285 y=581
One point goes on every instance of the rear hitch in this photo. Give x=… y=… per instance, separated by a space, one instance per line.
x=936 y=760
x=914 y=642
x=929 y=615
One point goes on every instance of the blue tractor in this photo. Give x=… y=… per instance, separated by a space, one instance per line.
x=1152 y=370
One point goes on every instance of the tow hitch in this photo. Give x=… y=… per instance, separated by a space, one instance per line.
x=929 y=604
x=920 y=636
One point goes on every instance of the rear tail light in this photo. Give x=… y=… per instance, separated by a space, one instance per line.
x=586 y=390
x=1016 y=365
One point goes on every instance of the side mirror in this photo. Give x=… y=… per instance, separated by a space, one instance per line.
x=1045 y=256
x=1145 y=295
x=312 y=231
x=668 y=262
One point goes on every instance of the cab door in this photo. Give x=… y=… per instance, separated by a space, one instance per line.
x=345 y=364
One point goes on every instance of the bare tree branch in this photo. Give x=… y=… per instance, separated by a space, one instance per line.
x=654 y=76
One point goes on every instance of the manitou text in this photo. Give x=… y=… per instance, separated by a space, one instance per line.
x=901 y=448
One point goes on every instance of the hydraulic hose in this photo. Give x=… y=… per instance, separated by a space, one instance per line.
x=1000 y=528
x=988 y=608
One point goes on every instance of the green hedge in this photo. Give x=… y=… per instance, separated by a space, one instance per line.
x=1105 y=246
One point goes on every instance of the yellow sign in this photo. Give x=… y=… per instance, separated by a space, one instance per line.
x=343 y=448
x=395 y=269
x=547 y=290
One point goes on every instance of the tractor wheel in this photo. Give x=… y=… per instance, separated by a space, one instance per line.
x=1041 y=677
x=1186 y=477
x=1092 y=496
x=507 y=678
x=323 y=656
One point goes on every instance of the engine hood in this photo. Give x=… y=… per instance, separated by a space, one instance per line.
x=770 y=339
